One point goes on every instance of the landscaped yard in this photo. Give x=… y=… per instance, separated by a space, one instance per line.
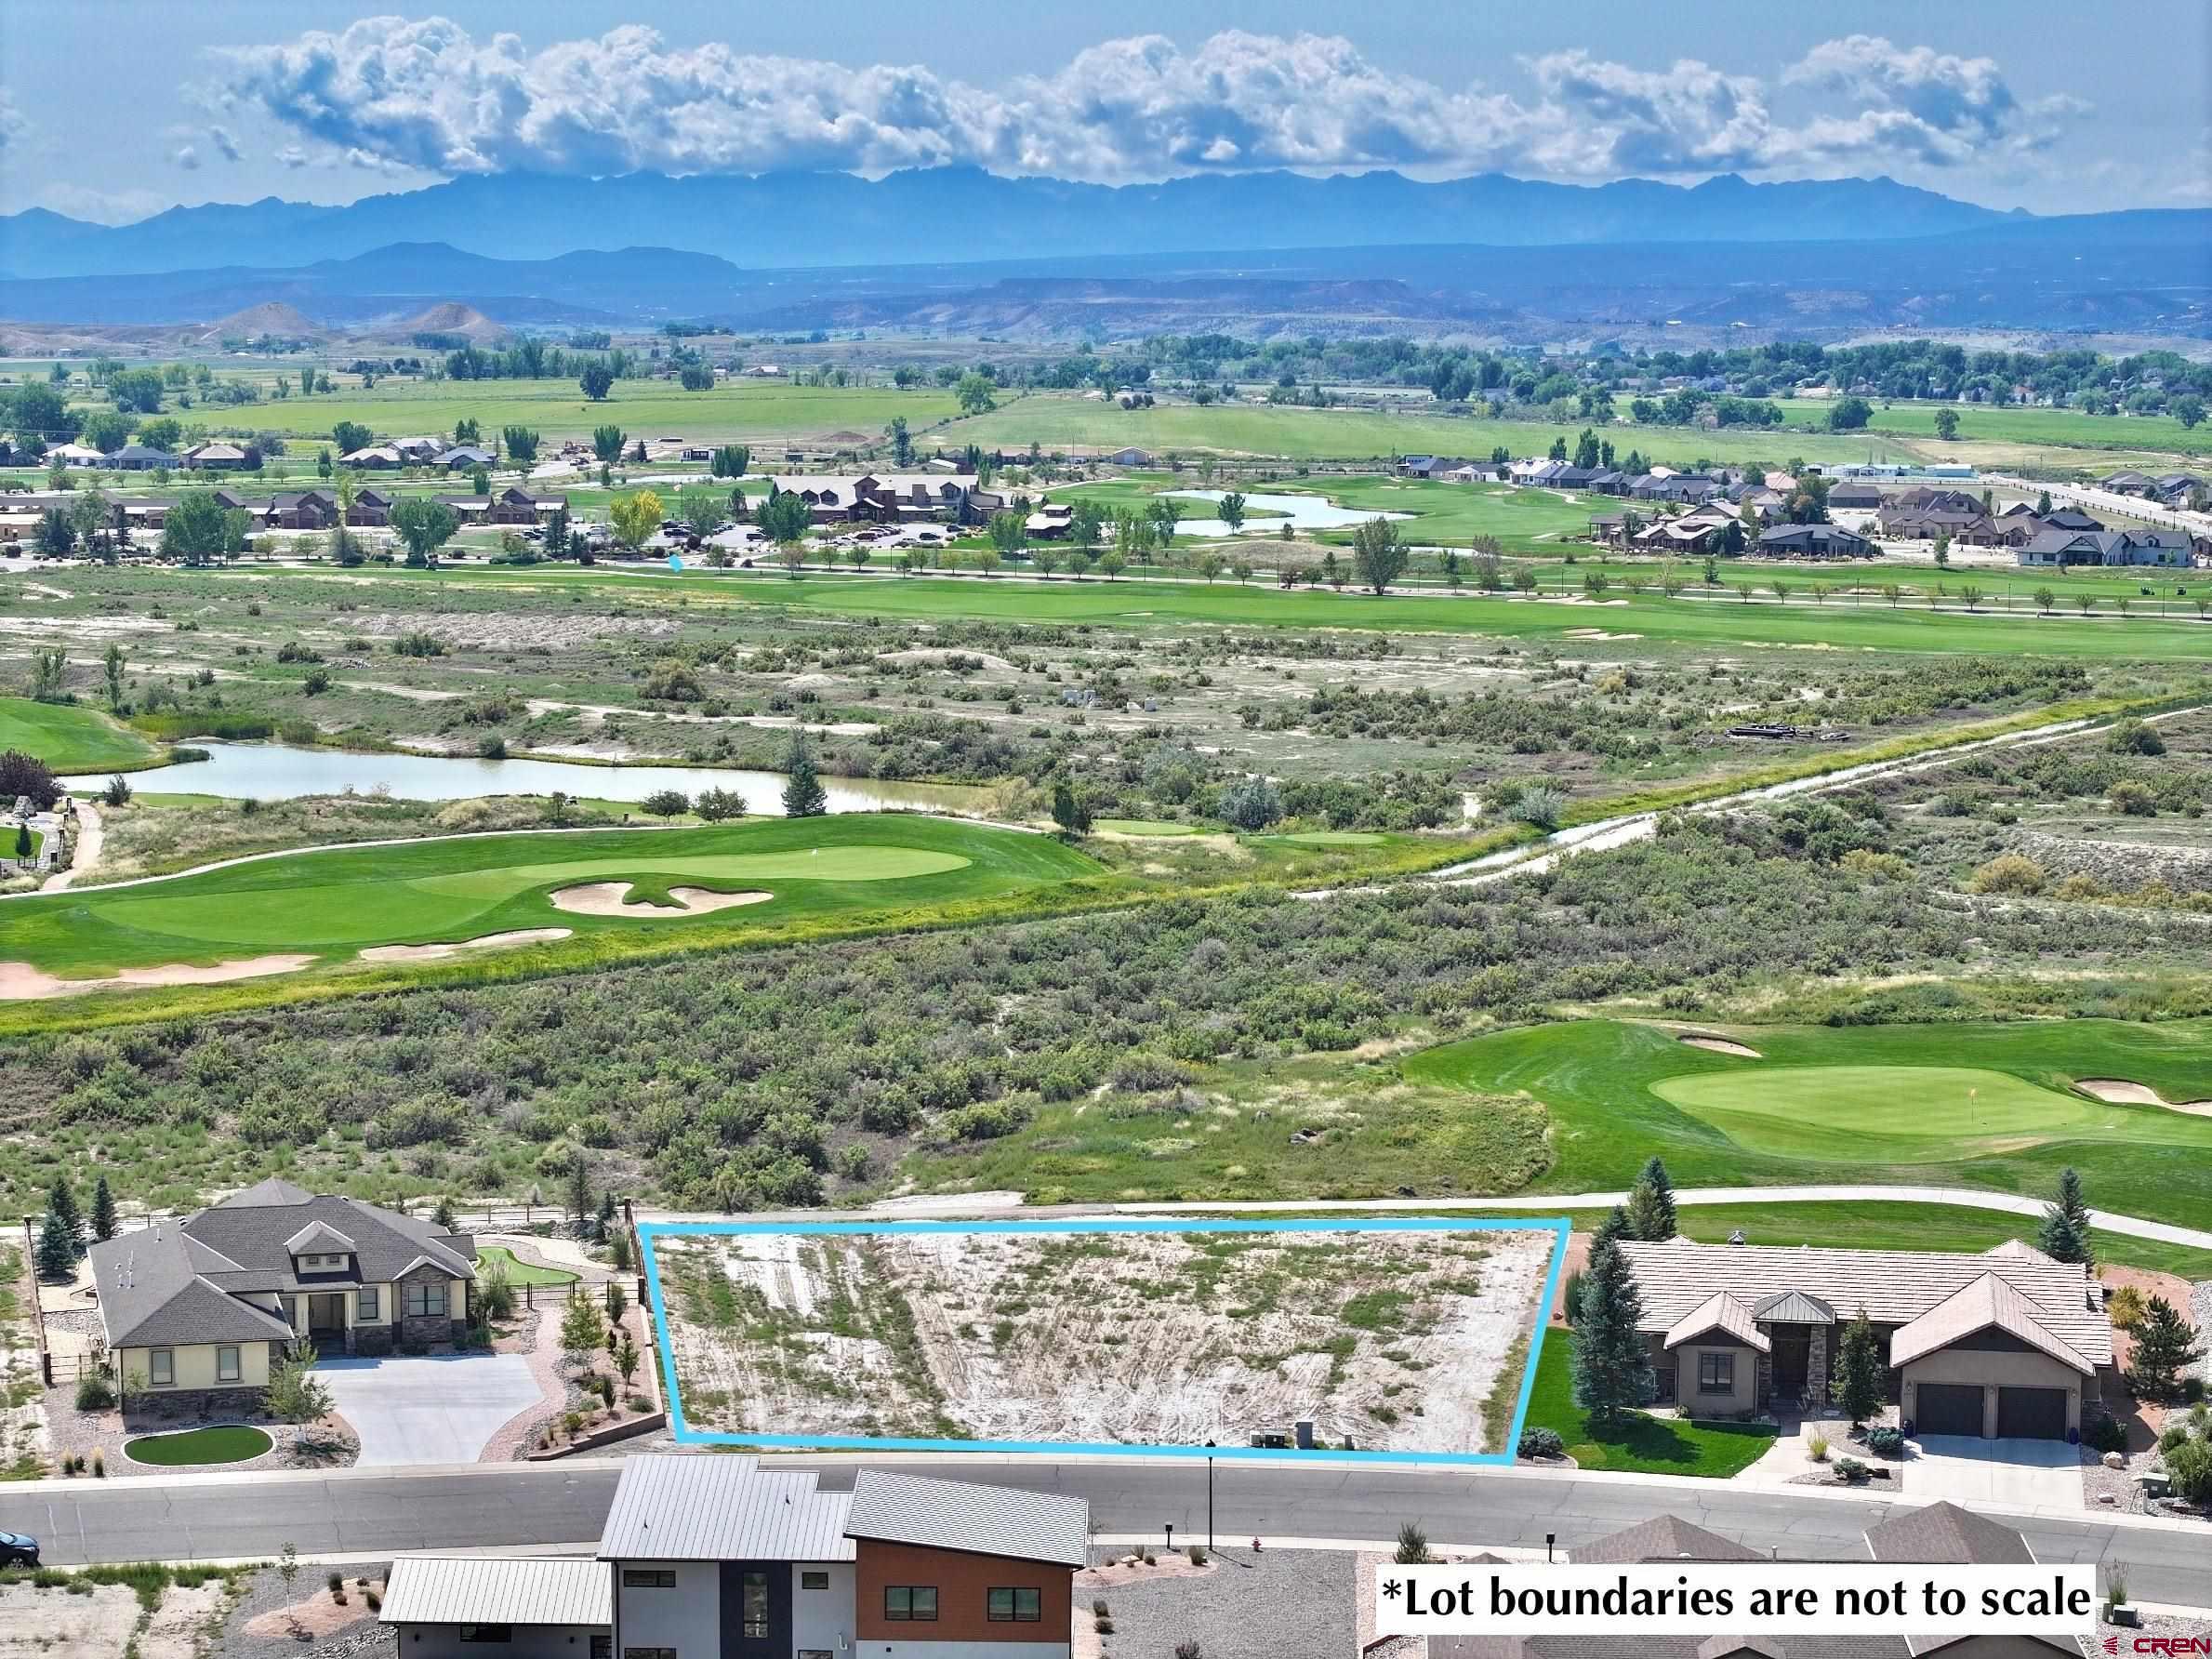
x=226 y=1442
x=520 y=1272
x=1641 y=1444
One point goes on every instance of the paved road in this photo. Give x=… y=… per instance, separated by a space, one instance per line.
x=371 y=1513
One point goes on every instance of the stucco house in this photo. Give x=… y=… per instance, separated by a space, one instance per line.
x=204 y=1305
x=2006 y=1343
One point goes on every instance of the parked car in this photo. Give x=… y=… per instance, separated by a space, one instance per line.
x=18 y=1550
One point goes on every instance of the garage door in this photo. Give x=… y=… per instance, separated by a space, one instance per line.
x=2031 y=1414
x=1948 y=1408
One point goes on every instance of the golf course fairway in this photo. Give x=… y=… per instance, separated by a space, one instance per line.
x=338 y=901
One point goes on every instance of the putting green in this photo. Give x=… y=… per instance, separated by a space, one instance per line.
x=1896 y=1114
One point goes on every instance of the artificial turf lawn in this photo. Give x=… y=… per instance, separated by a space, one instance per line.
x=1638 y=1444
x=520 y=1272
x=69 y=738
x=346 y=898
x=229 y=1442
x=1859 y=1105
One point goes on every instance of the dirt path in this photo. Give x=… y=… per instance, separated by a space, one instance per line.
x=90 y=839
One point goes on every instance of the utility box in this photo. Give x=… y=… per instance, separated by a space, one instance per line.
x=1305 y=1435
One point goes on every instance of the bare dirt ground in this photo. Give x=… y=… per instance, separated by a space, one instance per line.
x=19 y=982
x=56 y=1624
x=498 y=941
x=1394 y=1339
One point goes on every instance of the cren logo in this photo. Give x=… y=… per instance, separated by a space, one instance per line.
x=2173 y=1647
x=2111 y=1644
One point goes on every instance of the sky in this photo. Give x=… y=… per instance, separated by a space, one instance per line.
x=111 y=110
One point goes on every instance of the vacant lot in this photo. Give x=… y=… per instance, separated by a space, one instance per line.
x=1400 y=1340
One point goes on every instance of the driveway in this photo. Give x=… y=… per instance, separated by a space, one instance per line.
x=433 y=1409
x=2016 y=1475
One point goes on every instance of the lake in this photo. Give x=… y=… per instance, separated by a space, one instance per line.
x=280 y=771
x=1303 y=513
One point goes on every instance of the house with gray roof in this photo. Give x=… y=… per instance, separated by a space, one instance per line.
x=2008 y=1343
x=204 y=1306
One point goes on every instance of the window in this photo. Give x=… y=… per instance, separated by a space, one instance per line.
x=426 y=1299
x=755 y=1606
x=602 y=1647
x=1717 y=1374
x=161 y=1368
x=486 y=1633
x=226 y=1364
x=915 y=1602
x=368 y=1306
x=1021 y=1605
x=814 y=1581
x=648 y=1578
x=648 y=1653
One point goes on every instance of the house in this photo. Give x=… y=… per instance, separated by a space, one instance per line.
x=465 y=457
x=892 y=498
x=215 y=456
x=2052 y=547
x=75 y=455
x=1854 y=496
x=420 y=451
x=703 y=1557
x=376 y=457
x=2125 y=484
x=138 y=457
x=512 y=505
x=1702 y=529
x=2069 y=518
x=2175 y=487
x=1936 y=1534
x=1132 y=456
x=1813 y=541
x=2006 y=1343
x=1925 y=523
x=371 y=510
x=201 y=1307
x=301 y=510
x=1573 y=478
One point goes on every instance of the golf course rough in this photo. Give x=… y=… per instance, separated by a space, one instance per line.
x=341 y=901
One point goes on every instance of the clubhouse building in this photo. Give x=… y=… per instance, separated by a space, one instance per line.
x=2008 y=1343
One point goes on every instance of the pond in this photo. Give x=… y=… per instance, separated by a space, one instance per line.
x=280 y=772
x=1301 y=512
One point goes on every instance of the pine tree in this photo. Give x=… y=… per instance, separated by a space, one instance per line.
x=103 y=1210
x=1612 y=1360
x=1652 y=1204
x=2065 y=1233
x=804 y=794
x=56 y=1249
x=62 y=1202
x=579 y=1189
x=1860 y=1373
x=1612 y=1229
x=2165 y=1345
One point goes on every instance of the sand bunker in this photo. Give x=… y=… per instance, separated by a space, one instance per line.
x=19 y=982
x=1721 y=1045
x=2122 y=1092
x=498 y=941
x=606 y=899
x=1599 y=633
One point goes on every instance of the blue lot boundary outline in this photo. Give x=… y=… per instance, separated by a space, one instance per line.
x=649 y=1232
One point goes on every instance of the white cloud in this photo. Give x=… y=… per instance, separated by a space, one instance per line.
x=185 y=156
x=13 y=122
x=398 y=94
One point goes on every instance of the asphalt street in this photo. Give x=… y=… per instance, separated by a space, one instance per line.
x=373 y=1512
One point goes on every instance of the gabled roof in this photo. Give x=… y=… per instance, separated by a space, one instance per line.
x=1728 y=1647
x=1028 y=1526
x=1721 y=1312
x=274 y=1190
x=155 y=1290
x=1794 y=1307
x=319 y=1238
x=1987 y=1304
x=255 y=1230
x=1664 y=1538
x=498 y=1590
x=1944 y=1533
x=719 y=1509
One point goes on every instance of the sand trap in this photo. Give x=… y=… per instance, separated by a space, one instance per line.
x=1599 y=633
x=19 y=982
x=606 y=899
x=1721 y=1045
x=2120 y=1091
x=498 y=941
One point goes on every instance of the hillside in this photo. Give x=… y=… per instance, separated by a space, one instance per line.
x=452 y=317
x=272 y=316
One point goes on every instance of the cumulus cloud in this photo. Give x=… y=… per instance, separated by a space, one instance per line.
x=185 y=156
x=426 y=94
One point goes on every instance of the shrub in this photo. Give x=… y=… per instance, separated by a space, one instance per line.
x=2133 y=737
x=1817 y=1448
x=95 y=1393
x=1851 y=1469
x=1197 y=1552
x=2106 y=1434
x=1541 y=1442
x=2134 y=800
x=1540 y=804
x=2189 y=1469
x=1413 y=1544
x=2009 y=873
x=1189 y=1650
x=2175 y=1434
x=1886 y=1442
x=2126 y=1308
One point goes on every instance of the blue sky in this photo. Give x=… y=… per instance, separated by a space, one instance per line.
x=114 y=109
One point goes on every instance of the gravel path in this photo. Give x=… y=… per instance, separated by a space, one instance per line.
x=90 y=838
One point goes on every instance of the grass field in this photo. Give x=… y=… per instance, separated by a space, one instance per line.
x=2053 y=428
x=520 y=1272
x=1988 y=1106
x=68 y=736
x=1640 y=1444
x=228 y=1442
x=341 y=902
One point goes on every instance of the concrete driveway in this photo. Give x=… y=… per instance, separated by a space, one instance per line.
x=2017 y=1474
x=432 y=1409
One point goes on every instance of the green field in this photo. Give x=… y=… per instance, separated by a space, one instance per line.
x=520 y=1272
x=1988 y=1106
x=2067 y=428
x=71 y=737
x=339 y=901
x=1641 y=1444
x=226 y=1442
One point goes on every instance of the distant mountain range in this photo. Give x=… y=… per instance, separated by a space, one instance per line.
x=923 y=215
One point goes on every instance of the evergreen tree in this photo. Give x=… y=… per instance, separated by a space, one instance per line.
x=1612 y=1360
x=1861 y=1374
x=56 y=1249
x=62 y=1202
x=1612 y=1229
x=579 y=1189
x=1068 y=809
x=2065 y=1232
x=804 y=794
x=2165 y=1345
x=1652 y=1204
x=103 y=1210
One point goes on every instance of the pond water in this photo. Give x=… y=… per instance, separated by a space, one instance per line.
x=1303 y=512
x=280 y=771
